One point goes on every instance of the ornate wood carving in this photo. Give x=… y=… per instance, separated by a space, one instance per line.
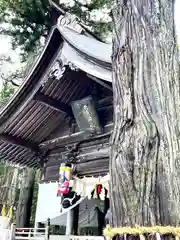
x=72 y=66
x=57 y=70
x=70 y=21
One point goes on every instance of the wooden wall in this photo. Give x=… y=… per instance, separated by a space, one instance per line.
x=92 y=159
x=92 y=153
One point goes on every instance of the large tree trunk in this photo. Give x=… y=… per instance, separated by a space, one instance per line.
x=23 y=212
x=145 y=159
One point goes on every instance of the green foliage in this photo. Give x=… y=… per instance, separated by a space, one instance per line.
x=94 y=14
x=102 y=29
x=26 y=21
x=2 y=166
x=13 y=79
x=29 y=21
x=6 y=93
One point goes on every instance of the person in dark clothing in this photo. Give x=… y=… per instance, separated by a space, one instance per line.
x=101 y=217
x=108 y=217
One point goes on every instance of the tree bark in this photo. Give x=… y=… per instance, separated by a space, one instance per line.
x=145 y=155
x=23 y=212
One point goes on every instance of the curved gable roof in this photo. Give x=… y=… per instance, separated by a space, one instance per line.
x=87 y=46
x=24 y=122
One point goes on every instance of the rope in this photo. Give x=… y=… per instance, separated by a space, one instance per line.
x=139 y=231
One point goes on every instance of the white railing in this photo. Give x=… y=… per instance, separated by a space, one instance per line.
x=72 y=237
x=39 y=234
x=30 y=234
x=86 y=237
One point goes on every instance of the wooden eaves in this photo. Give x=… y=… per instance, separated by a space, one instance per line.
x=38 y=107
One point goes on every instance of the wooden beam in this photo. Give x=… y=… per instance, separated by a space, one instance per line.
x=90 y=168
x=71 y=139
x=94 y=155
x=66 y=140
x=101 y=82
x=105 y=102
x=88 y=161
x=54 y=104
x=17 y=141
x=96 y=152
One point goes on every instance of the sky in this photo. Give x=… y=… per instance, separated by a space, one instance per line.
x=6 y=49
x=5 y=44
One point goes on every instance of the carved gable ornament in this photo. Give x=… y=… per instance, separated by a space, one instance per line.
x=70 y=21
x=57 y=70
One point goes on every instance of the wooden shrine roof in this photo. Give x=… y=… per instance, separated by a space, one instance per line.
x=42 y=102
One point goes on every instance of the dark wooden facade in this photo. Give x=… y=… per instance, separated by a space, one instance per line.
x=38 y=128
